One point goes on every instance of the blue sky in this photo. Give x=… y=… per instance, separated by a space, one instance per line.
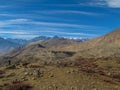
x=69 y=18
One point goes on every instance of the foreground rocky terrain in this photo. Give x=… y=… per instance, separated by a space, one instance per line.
x=82 y=75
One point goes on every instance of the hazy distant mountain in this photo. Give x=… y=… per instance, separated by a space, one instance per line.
x=9 y=43
x=6 y=45
x=39 y=38
x=57 y=41
x=44 y=38
x=51 y=43
x=18 y=41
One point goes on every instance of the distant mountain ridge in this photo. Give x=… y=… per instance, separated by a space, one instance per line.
x=44 y=38
x=10 y=44
x=6 y=45
x=18 y=41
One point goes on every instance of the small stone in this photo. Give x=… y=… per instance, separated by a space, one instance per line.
x=68 y=72
x=72 y=88
x=26 y=73
x=51 y=75
x=49 y=87
x=33 y=78
x=95 y=89
x=31 y=74
x=109 y=74
x=55 y=87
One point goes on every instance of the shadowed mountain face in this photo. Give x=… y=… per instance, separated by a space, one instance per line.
x=6 y=45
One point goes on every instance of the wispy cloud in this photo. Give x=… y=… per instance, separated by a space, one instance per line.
x=3 y=14
x=6 y=23
x=69 y=12
x=62 y=25
x=68 y=33
x=96 y=3
x=103 y=3
x=3 y=6
x=113 y=3
x=44 y=28
x=18 y=20
x=19 y=36
x=16 y=32
x=32 y=34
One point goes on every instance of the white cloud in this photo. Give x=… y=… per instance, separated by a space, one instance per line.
x=18 y=20
x=63 y=25
x=113 y=3
x=3 y=6
x=69 y=12
x=44 y=28
x=103 y=3
x=95 y=3
x=27 y=37
x=17 y=32
x=3 y=14
x=8 y=23
x=68 y=33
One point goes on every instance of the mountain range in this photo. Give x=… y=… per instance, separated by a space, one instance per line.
x=10 y=44
x=104 y=46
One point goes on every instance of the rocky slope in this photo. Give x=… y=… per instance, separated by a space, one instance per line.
x=104 y=46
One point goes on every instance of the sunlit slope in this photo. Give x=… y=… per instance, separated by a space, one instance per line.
x=104 y=46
